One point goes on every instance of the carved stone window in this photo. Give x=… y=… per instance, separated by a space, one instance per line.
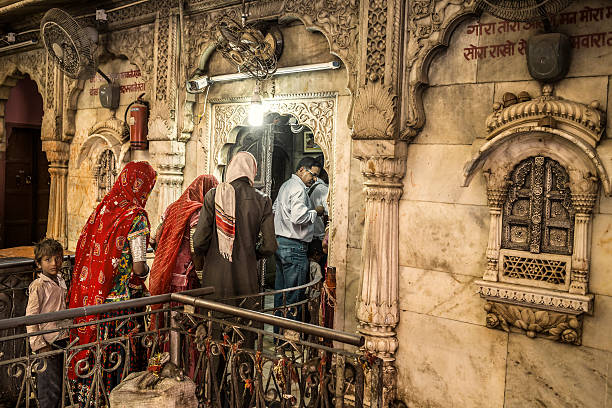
x=106 y=173
x=538 y=214
x=543 y=170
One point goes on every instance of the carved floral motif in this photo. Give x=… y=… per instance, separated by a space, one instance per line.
x=376 y=43
x=337 y=20
x=535 y=323
x=137 y=45
x=374 y=116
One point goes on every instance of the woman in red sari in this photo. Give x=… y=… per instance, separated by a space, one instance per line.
x=110 y=266
x=175 y=267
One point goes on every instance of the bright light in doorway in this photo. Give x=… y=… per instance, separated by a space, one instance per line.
x=256 y=109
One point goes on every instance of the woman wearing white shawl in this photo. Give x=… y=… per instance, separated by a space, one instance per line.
x=233 y=216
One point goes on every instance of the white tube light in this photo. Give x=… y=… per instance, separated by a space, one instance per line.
x=198 y=84
x=18 y=45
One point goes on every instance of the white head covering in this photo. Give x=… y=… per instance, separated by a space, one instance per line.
x=242 y=165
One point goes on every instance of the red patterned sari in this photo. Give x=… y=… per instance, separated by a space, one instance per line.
x=103 y=238
x=173 y=249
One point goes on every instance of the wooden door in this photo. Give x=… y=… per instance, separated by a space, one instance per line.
x=27 y=180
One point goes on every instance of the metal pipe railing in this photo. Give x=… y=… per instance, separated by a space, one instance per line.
x=92 y=310
x=282 y=322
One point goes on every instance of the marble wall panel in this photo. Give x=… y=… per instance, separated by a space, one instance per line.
x=435 y=173
x=356 y=205
x=455 y=114
x=444 y=363
x=442 y=69
x=596 y=328
x=353 y=276
x=601 y=251
x=440 y=294
x=443 y=237
x=543 y=373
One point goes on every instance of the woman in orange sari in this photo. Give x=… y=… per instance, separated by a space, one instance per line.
x=110 y=266
x=175 y=267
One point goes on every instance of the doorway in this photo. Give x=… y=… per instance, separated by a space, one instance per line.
x=278 y=145
x=24 y=170
x=26 y=188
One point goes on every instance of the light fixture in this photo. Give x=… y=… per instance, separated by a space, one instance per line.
x=18 y=45
x=200 y=83
x=256 y=109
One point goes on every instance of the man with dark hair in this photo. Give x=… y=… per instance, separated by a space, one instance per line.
x=294 y=218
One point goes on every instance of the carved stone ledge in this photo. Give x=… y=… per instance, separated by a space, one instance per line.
x=562 y=327
x=535 y=297
x=564 y=112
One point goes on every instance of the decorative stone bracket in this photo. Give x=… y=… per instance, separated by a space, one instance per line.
x=563 y=132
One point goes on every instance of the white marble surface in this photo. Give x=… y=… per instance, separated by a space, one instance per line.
x=443 y=237
x=542 y=373
x=455 y=114
x=427 y=180
x=597 y=329
x=442 y=70
x=601 y=253
x=444 y=363
x=440 y=294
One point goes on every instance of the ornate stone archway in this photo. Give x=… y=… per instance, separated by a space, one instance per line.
x=317 y=111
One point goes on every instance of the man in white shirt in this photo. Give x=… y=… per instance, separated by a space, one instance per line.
x=294 y=218
x=318 y=193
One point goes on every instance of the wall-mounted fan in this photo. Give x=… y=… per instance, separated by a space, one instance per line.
x=73 y=48
x=522 y=10
x=548 y=55
x=248 y=48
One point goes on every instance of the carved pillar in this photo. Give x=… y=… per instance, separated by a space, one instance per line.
x=583 y=204
x=168 y=157
x=58 y=153
x=383 y=165
x=496 y=196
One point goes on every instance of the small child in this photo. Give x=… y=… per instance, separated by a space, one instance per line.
x=48 y=294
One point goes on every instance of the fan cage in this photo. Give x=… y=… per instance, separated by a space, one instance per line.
x=523 y=10
x=69 y=45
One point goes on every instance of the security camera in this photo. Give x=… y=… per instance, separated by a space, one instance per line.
x=198 y=84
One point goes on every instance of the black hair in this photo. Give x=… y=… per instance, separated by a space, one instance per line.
x=307 y=163
x=315 y=247
x=323 y=176
x=47 y=247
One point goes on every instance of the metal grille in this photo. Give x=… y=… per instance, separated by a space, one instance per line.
x=538 y=215
x=543 y=270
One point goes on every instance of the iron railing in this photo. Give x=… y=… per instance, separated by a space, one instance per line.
x=230 y=352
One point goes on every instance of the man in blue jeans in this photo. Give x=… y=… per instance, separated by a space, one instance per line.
x=294 y=218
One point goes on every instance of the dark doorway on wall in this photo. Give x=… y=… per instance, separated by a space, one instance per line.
x=24 y=170
x=26 y=193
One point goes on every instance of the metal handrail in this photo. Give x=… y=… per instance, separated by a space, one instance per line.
x=92 y=310
x=282 y=322
x=16 y=263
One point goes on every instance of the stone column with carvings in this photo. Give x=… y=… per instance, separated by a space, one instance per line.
x=496 y=195
x=168 y=157
x=383 y=165
x=583 y=205
x=58 y=153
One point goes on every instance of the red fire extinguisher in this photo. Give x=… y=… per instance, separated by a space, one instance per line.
x=137 y=120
